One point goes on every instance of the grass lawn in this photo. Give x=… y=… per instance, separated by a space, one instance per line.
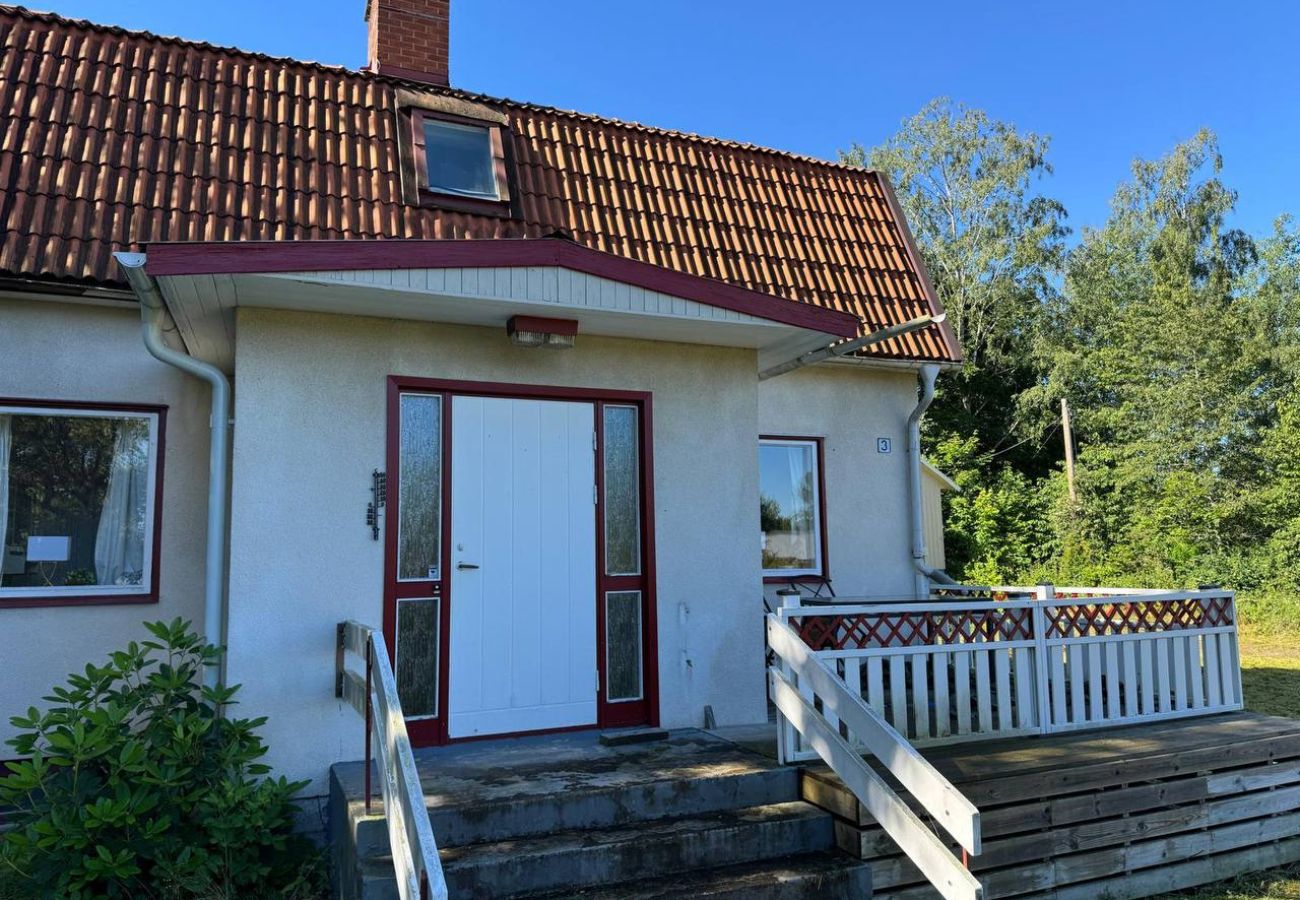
x=1270 y=676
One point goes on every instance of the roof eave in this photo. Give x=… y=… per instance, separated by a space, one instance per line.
x=951 y=344
x=270 y=257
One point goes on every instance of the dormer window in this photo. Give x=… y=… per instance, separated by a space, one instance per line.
x=460 y=163
x=460 y=159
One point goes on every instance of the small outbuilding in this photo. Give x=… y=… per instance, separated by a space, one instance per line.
x=933 y=486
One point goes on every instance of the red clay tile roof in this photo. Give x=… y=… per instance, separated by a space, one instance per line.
x=113 y=139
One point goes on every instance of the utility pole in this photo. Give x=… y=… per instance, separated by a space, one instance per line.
x=1068 y=435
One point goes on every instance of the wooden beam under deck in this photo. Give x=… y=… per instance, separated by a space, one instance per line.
x=1125 y=812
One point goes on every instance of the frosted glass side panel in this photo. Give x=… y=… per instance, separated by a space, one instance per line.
x=419 y=504
x=623 y=645
x=417 y=656
x=622 y=491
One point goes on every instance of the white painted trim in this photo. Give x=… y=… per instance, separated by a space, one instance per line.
x=869 y=362
x=925 y=850
x=204 y=305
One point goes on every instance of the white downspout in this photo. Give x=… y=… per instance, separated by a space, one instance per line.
x=151 y=310
x=921 y=573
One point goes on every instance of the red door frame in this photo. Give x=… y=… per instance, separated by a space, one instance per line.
x=433 y=731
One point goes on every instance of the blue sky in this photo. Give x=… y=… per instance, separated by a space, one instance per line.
x=1106 y=80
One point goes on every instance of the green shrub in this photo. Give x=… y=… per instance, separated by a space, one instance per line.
x=1277 y=613
x=139 y=786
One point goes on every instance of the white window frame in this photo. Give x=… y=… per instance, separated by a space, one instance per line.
x=818 y=568
x=91 y=591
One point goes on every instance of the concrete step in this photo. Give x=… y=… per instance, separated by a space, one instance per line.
x=663 y=849
x=785 y=848
x=594 y=791
x=829 y=875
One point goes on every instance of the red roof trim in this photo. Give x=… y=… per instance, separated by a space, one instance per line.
x=257 y=257
x=542 y=323
x=951 y=344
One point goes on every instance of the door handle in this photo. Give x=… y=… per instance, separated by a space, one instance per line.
x=466 y=565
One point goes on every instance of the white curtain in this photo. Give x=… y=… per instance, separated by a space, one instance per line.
x=6 y=441
x=800 y=459
x=119 y=543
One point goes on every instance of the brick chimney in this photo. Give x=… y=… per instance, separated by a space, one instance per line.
x=409 y=38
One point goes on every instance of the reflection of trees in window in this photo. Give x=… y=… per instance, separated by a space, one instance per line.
x=803 y=517
x=788 y=535
x=59 y=470
x=770 y=515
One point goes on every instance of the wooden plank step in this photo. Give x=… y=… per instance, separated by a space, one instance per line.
x=1094 y=808
x=1062 y=843
x=1055 y=873
x=820 y=785
x=1118 y=801
x=1131 y=886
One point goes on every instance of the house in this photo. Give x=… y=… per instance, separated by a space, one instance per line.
x=369 y=259
x=549 y=400
x=934 y=484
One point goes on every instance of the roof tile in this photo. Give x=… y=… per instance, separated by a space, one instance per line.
x=116 y=138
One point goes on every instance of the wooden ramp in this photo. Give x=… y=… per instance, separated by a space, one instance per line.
x=1122 y=813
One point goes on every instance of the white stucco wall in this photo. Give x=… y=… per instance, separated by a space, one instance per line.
x=80 y=353
x=310 y=427
x=867 y=514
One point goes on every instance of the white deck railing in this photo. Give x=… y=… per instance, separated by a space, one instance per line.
x=374 y=696
x=820 y=716
x=987 y=662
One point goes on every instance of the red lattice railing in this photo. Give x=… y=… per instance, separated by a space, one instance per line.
x=988 y=662
x=938 y=627
x=857 y=631
x=1105 y=619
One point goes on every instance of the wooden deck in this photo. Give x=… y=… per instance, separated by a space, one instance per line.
x=1120 y=813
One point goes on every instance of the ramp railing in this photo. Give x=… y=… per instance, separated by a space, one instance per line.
x=821 y=717
x=979 y=663
x=374 y=696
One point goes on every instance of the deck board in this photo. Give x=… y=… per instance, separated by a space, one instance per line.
x=1127 y=811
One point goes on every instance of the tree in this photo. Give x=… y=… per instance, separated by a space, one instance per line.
x=1166 y=344
x=993 y=247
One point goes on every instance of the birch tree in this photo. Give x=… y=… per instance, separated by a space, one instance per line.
x=994 y=246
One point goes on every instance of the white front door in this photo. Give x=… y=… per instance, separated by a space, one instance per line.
x=523 y=566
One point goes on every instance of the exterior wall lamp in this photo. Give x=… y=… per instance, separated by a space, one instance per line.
x=536 y=331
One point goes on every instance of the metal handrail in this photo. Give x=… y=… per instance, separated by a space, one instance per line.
x=410 y=834
x=796 y=680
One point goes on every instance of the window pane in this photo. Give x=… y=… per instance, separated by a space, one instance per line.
x=623 y=645
x=419 y=504
x=74 y=501
x=417 y=656
x=622 y=492
x=788 y=506
x=460 y=159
